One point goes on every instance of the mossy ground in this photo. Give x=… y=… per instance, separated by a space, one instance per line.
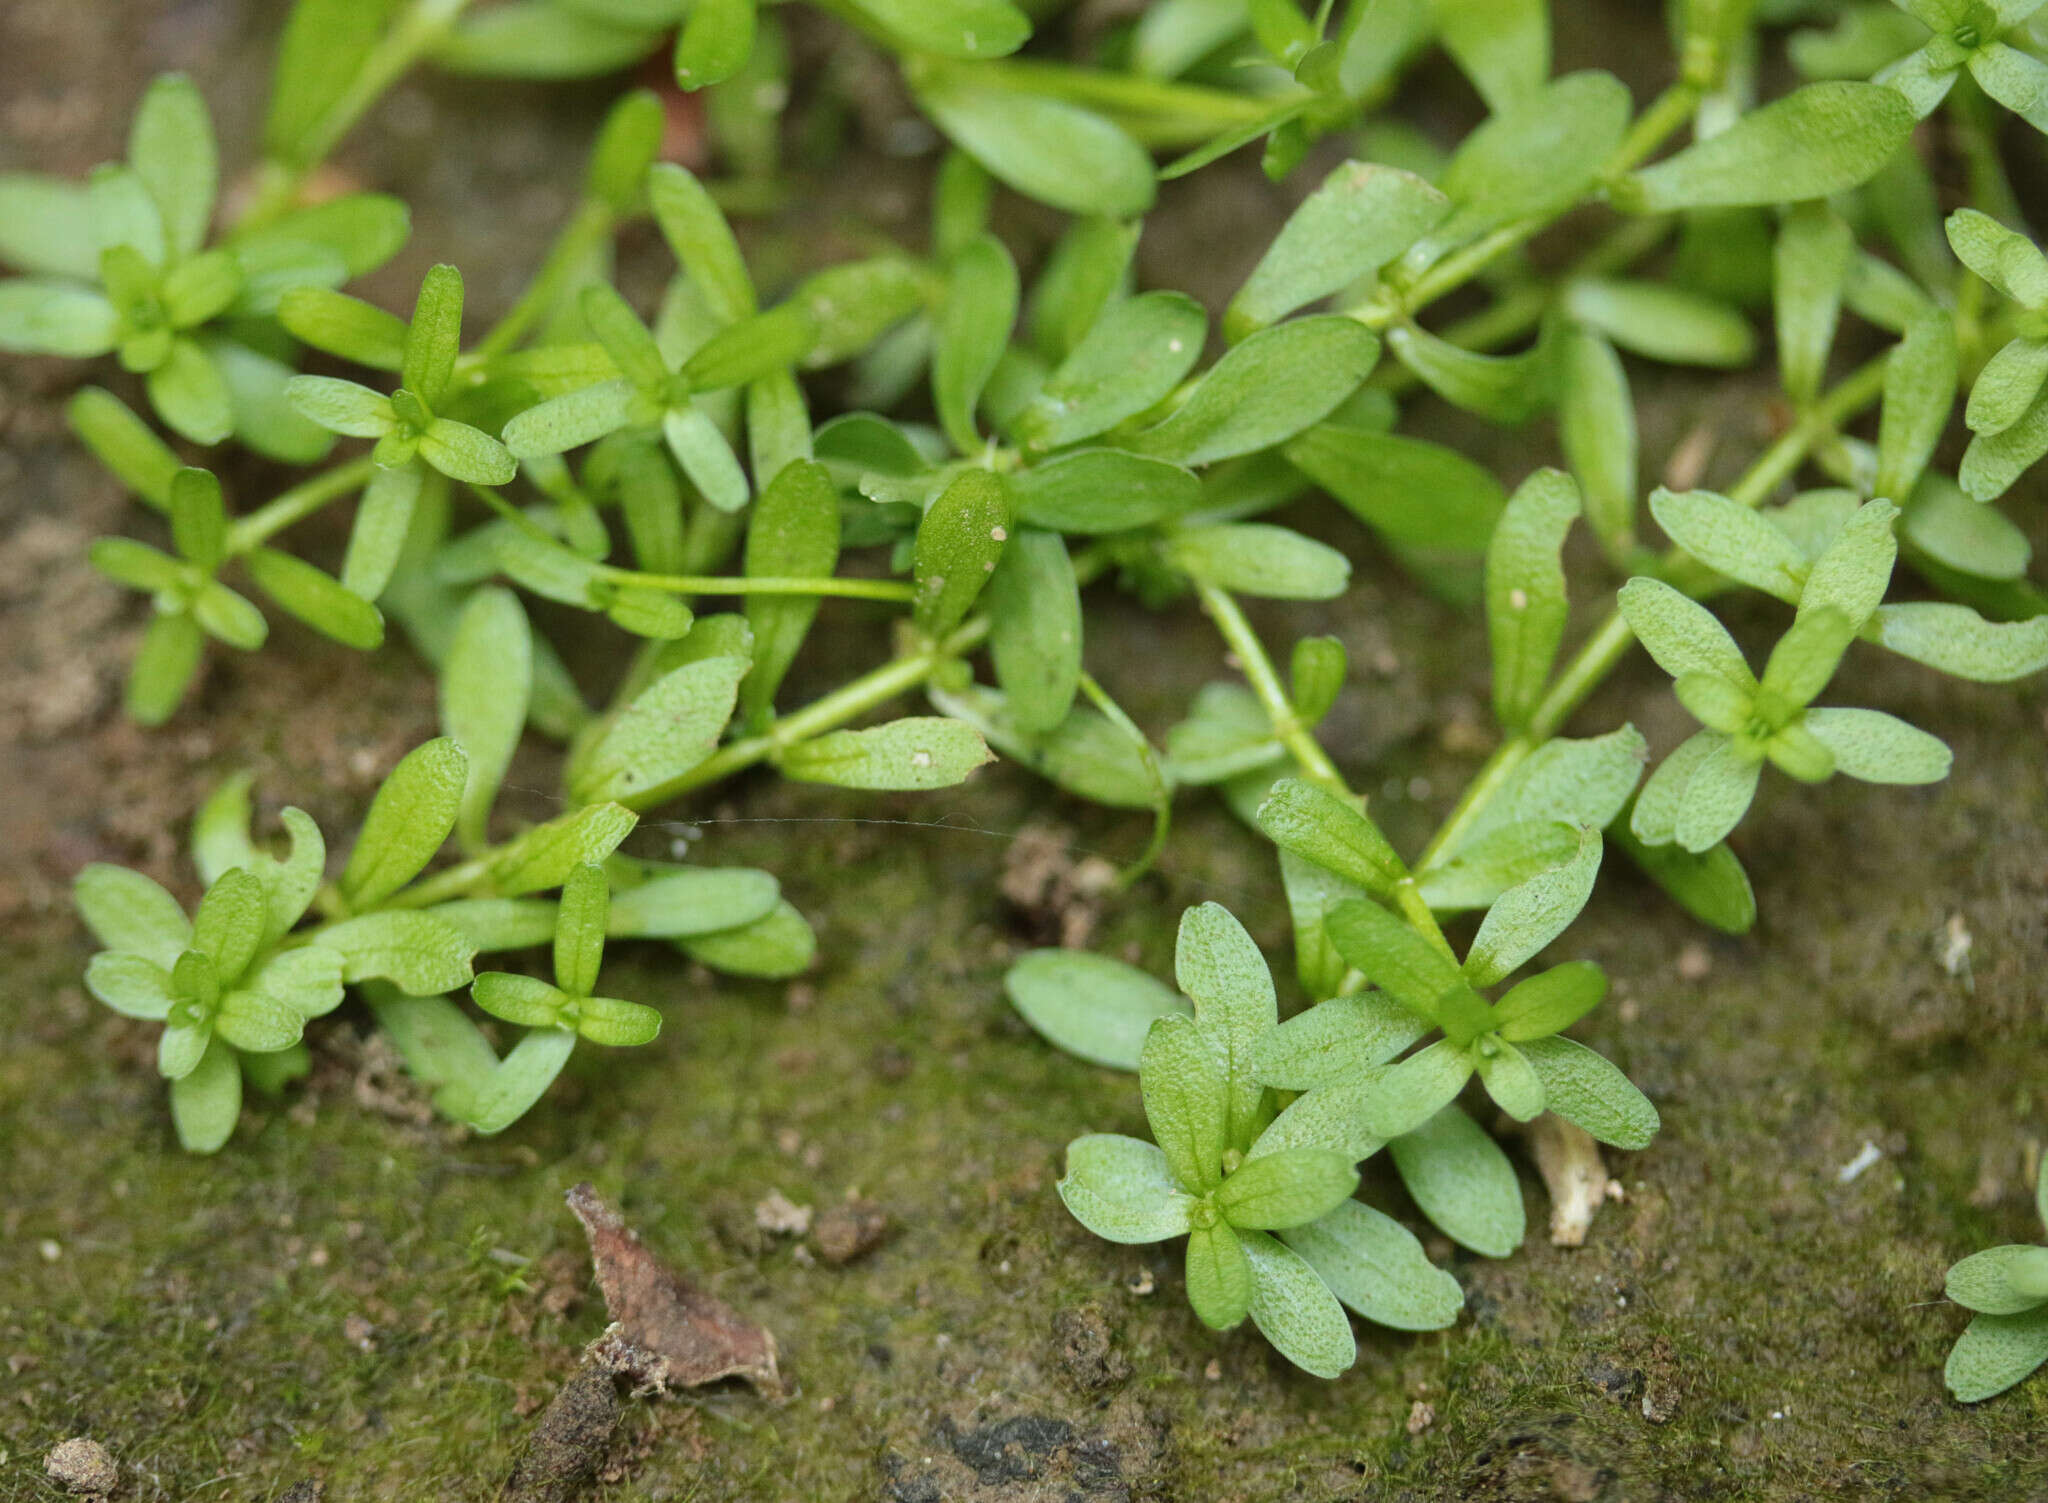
x=352 y=1296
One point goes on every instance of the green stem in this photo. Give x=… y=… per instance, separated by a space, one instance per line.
x=1599 y=654
x=1264 y=679
x=1162 y=791
x=298 y=503
x=853 y=700
x=899 y=591
x=412 y=36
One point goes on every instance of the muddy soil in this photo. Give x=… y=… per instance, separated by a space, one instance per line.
x=357 y=1299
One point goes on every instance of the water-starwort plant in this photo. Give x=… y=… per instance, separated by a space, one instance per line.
x=2007 y=1337
x=966 y=440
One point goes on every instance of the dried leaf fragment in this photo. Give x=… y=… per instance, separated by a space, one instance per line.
x=666 y=1331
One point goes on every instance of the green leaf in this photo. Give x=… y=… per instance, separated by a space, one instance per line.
x=190 y=394
x=758 y=345
x=1681 y=634
x=1334 y=1042
x=1295 y=1310
x=357 y=231
x=2006 y=259
x=1219 y=1276
x=1505 y=388
x=434 y=337
x=2018 y=80
x=1808 y=654
x=341 y=406
x=1086 y=755
x=1510 y=1081
x=124 y=215
x=1378 y=1268
x=616 y=1024
x=464 y=453
x=55 y=318
x=521 y=1079
x=669 y=728
x=1717 y=795
x=1255 y=558
x=580 y=929
x=701 y=449
x=1662 y=322
x=571 y=420
x=163 y=668
x=1955 y=639
x=1084 y=275
x=2007 y=386
x=1655 y=818
x=1331 y=1118
x=1503 y=46
x=917 y=753
x=1879 y=748
x=1417 y=493
x=1034 y=609
x=1573 y=782
x=1817 y=140
x=1311 y=822
x=171 y=148
x=124 y=444
x=46 y=227
x=316 y=598
x=1996 y=1351
x=773 y=948
x=688 y=901
x=1102 y=490
x=1995 y=460
x=1852 y=572
x=1550 y=1001
x=1535 y=158
x=1316 y=677
x=133 y=986
x=950 y=28
x=702 y=241
x=1919 y=394
x=542 y=40
x=1462 y=1182
x=265 y=421
x=793 y=532
x=206 y=1102
x=1285 y=1189
x=1131 y=360
x=544 y=856
x=715 y=42
x=525 y=1000
x=1731 y=539
x=1045 y=148
x=1487 y=865
x=408 y=820
x=1226 y=733
x=1121 y=1189
x=1710 y=885
x=486 y=687
x=1596 y=425
x=1394 y=957
x=1222 y=972
x=423 y=953
x=500 y=923
x=1089 y=1005
x=127 y=911
x=228 y=926
x=974 y=322
x=2000 y=1280
x=1272 y=386
x=199 y=521
x=1526 y=607
x=1587 y=1090
x=1814 y=253
x=324 y=46
x=1362 y=217
x=1182 y=1073
x=1417 y=1088
x=958 y=545
x=229 y=617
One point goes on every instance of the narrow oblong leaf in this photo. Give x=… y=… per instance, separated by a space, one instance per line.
x=1596 y=425
x=1295 y=1310
x=669 y=728
x=1122 y=1190
x=1256 y=558
x=1222 y=972
x=958 y=545
x=1273 y=385
x=1219 y=1276
x=1526 y=607
x=316 y=598
x=486 y=685
x=1462 y=1182
x=1377 y=1267
x=1089 y=1005
x=916 y=753
x=1315 y=824
x=1731 y=539
x=1817 y=140
x=974 y=325
x=1291 y=1188
x=793 y=533
x=1034 y=606
x=423 y=954
x=1058 y=153
x=1588 y=1090
x=407 y=821
x=1132 y=358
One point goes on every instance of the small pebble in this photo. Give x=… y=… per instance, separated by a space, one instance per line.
x=82 y=1466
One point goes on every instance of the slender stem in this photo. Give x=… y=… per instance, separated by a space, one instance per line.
x=1599 y=654
x=412 y=36
x=1264 y=678
x=899 y=591
x=1667 y=113
x=828 y=714
x=298 y=503
x=1162 y=791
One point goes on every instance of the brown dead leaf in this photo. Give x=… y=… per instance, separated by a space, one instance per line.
x=666 y=1331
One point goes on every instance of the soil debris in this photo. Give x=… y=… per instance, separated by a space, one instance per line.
x=845 y=1232
x=666 y=1332
x=1086 y=1349
x=777 y=1213
x=562 y=1456
x=1059 y=897
x=81 y=1465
